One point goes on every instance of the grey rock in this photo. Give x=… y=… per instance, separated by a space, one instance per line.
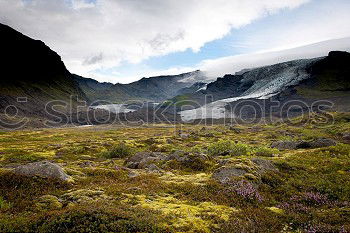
x=317 y=143
x=284 y=145
x=225 y=174
x=179 y=156
x=264 y=165
x=43 y=169
x=184 y=136
x=323 y=142
x=153 y=168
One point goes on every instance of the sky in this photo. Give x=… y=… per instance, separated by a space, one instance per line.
x=121 y=41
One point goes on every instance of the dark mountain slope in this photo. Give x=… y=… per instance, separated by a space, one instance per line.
x=30 y=69
x=146 y=89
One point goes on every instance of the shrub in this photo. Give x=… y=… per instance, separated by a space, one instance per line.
x=266 y=151
x=91 y=218
x=119 y=151
x=229 y=148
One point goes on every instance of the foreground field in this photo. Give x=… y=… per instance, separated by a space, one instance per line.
x=199 y=179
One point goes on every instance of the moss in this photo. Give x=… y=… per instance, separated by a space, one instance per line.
x=195 y=179
x=225 y=147
x=4 y=205
x=184 y=215
x=48 y=202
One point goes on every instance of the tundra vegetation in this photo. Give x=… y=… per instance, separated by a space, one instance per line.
x=188 y=178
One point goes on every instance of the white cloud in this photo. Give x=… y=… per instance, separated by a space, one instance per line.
x=90 y=35
x=231 y=64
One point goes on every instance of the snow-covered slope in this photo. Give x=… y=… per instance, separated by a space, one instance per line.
x=263 y=83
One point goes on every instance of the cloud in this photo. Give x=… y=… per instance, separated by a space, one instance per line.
x=229 y=65
x=93 y=60
x=95 y=34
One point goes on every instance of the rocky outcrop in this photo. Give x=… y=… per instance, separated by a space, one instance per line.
x=284 y=145
x=247 y=169
x=317 y=143
x=42 y=169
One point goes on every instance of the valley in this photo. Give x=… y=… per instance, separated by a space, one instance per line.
x=261 y=149
x=163 y=178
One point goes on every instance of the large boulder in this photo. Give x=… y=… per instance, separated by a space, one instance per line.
x=42 y=169
x=142 y=160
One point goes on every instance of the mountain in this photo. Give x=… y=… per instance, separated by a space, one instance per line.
x=32 y=75
x=154 y=89
x=306 y=81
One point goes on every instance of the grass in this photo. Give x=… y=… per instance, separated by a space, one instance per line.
x=308 y=192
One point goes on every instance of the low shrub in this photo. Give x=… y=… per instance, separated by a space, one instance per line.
x=92 y=218
x=266 y=151
x=119 y=151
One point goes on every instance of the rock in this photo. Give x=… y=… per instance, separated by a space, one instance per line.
x=141 y=159
x=186 y=157
x=179 y=156
x=323 y=142
x=43 y=169
x=284 y=145
x=184 y=136
x=153 y=168
x=346 y=136
x=225 y=174
x=249 y=169
x=317 y=143
x=49 y=202
x=264 y=165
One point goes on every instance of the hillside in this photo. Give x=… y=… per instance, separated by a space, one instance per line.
x=32 y=71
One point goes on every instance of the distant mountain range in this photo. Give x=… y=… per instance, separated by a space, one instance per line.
x=155 y=89
x=33 y=75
